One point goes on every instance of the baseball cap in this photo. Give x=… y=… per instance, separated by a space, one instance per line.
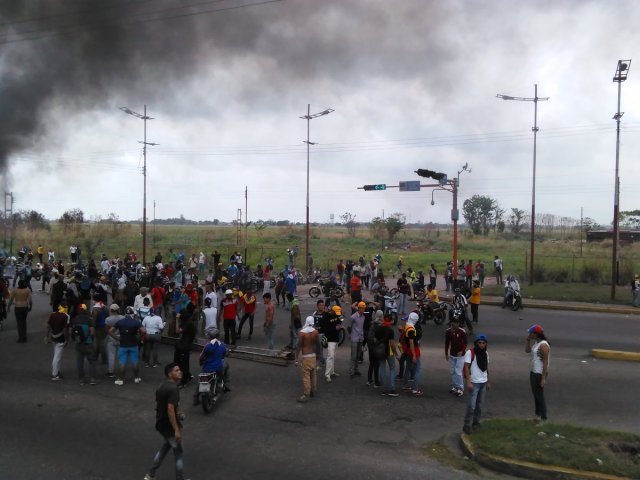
x=114 y=307
x=481 y=337
x=337 y=310
x=228 y=292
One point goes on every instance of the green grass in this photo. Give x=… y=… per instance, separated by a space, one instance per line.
x=566 y=292
x=603 y=451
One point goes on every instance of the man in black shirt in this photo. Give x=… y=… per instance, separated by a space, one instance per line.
x=187 y=331
x=168 y=421
x=330 y=326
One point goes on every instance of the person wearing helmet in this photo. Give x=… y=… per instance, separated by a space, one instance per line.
x=476 y=374
x=538 y=346
x=510 y=286
x=460 y=307
x=229 y=311
x=212 y=360
x=330 y=324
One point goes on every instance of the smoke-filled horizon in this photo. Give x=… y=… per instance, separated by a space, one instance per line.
x=413 y=85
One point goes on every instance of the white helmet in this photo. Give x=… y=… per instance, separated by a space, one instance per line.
x=228 y=292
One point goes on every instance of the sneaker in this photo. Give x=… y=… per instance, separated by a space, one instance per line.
x=156 y=365
x=55 y=378
x=466 y=430
x=407 y=388
x=453 y=390
x=328 y=379
x=148 y=477
x=392 y=393
x=109 y=375
x=137 y=380
x=92 y=381
x=334 y=375
x=302 y=399
x=417 y=393
x=459 y=393
x=377 y=385
x=119 y=382
x=147 y=365
x=369 y=383
x=82 y=382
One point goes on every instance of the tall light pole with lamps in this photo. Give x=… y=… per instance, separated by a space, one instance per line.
x=144 y=143
x=308 y=117
x=535 y=99
x=622 y=71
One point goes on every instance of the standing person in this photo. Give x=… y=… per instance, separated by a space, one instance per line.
x=385 y=335
x=468 y=269
x=229 y=311
x=476 y=374
x=280 y=290
x=99 y=314
x=355 y=284
x=22 y=298
x=157 y=297
x=249 y=302
x=266 y=279
x=269 y=325
x=474 y=300
x=497 y=266
x=84 y=332
x=296 y=322
x=57 y=287
x=330 y=326
x=113 y=338
x=403 y=289
x=306 y=349
x=411 y=348
x=290 y=286
x=57 y=333
x=481 y=273
x=40 y=251
x=153 y=326
x=455 y=346
x=538 y=346
x=373 y=373
x=448 y=276
x=433 y=275
x=168 y=421
x=186 y=328
x=635 y=291
x=210 y=314
x=129 y=329
x=356 y=335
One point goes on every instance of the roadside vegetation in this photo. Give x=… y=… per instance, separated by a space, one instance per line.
x=587 y=449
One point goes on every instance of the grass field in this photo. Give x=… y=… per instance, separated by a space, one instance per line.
x=565 y=267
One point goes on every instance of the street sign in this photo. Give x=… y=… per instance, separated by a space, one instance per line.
x=379 y=186
x=410 y=186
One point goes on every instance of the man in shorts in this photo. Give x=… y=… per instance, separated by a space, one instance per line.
x=129 y=328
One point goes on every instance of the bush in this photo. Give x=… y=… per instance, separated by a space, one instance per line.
x=591 y=273
x=560 y=275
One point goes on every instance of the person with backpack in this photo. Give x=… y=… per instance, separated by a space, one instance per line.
x=411 y=347
x=84 y=333
x=476 y=374
x=129 y=328
x=385 y=351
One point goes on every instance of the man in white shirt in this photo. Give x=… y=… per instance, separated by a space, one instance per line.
x=476 y=374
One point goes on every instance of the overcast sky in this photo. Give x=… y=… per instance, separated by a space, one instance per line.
x=413 y=84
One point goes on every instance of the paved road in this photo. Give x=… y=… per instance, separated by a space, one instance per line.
x=67 y=431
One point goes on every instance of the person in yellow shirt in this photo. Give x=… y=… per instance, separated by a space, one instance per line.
x=433 y=299
x=40 y=252
x=474 y=300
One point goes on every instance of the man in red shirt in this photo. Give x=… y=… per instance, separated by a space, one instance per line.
x=455 y=346
x=229 y=310
x=355 y=285
x=249 y=303
x=468 y=268
x=157 y=296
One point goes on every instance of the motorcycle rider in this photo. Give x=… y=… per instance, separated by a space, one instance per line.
x=212 y=360
x=460 y=303
x=433 y=300
x=510 y=286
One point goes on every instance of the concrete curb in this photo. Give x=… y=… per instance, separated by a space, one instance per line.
x=572 y=307
x=528 y=469
x=615 y=355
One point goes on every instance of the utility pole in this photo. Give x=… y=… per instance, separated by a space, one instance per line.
x=535 y=99
x=144 y=142
x=622 y=70
x=246 y=224
x=8 y=220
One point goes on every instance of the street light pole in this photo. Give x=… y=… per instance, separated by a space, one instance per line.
x=308 y=117
x=622 y=71
x=144 y=118
x=535 y=129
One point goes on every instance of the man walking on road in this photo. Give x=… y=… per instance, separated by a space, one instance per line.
x=269 y=326
x=306 y=349
x=168 y=421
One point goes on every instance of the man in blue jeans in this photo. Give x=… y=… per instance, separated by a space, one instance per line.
x=168 y=421
x=384 y=333
x=476 y=374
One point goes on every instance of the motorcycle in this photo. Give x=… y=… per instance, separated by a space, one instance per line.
x=515 y=299
x=436 y=312
x=391 y=308
x=37 y=272
x=334 y=292
x=210 y=390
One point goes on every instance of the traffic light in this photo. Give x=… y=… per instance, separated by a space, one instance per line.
x=379 y=186
x=431 y=174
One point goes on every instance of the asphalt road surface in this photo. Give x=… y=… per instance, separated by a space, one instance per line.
x=64 y=431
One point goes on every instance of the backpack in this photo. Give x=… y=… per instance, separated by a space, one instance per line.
x=380 y=350
x=80 y=333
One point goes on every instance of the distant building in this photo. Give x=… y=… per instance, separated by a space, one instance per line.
x=625 y=235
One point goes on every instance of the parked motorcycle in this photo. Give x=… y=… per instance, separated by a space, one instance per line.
x=333 y=291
